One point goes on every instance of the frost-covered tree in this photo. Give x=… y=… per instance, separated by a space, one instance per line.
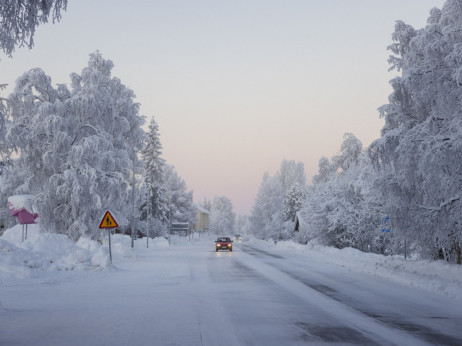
x=418 y=155
x=222 y=216
x=157 y=206
x=242 y=224
x=293 y=202
x=341 y=207
x=181 y=206
x=267 y=219
x=19 y=19
x=75 y=147
x=291 y=172
x=206 y=204
x=4 y=149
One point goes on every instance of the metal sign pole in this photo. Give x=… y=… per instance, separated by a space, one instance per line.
x=108 y=222
x=110 y=252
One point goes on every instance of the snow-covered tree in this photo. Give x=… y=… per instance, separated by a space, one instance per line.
x=19 y=19
x=75 y=147
x=341 y=206
x=222 y=216
x=267 y=219
x=156 y=189
x=181 y=206
x=418 y=155
x=4 y=148
x=291 y=172
x=266 y=216
x=293 y=202
x=206 y=204
x=243 y=224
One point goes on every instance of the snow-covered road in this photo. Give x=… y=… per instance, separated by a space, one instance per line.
x=188 y=294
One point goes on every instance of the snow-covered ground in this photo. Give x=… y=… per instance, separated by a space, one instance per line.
x=54 y=291
x=40 y=257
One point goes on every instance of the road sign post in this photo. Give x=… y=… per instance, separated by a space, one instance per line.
x=108 y=222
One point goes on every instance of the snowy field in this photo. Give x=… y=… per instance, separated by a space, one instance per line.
x=57 y=292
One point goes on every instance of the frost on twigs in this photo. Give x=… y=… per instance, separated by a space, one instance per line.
x=19 y=19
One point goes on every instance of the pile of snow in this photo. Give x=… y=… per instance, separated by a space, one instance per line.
x=436 y=276
x=48 y=252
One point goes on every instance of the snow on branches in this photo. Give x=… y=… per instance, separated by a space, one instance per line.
x=74 y=146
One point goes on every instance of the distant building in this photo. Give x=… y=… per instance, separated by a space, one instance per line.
x=202 y=218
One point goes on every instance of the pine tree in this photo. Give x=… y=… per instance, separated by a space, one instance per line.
x=293 y=202
x=155 y=175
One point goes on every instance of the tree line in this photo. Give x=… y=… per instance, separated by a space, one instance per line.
x=82 y=150
x=402 y=193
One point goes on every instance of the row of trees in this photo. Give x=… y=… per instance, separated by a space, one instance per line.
x=403 y=192
x=76 y=150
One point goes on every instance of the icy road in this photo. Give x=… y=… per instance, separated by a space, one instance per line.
x=188 y=294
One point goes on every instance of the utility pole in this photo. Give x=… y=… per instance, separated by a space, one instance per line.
x=169 y=221
x=133 y=201
x=148 y=215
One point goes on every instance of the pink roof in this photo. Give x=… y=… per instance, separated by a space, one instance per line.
x=21 y=207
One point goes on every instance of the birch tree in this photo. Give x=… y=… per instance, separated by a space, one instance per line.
x=418 y=155
x=74 y=146
x=19 y=19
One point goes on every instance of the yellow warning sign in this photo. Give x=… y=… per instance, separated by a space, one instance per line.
x=108 y=221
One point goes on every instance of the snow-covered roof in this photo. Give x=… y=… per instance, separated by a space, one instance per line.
x=202 y=210
x=19 y=202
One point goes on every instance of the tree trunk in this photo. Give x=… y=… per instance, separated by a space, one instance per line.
x=444 y=253
x=457 y=248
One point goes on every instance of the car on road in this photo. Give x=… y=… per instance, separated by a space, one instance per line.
x=237 y=237
x=224 y=243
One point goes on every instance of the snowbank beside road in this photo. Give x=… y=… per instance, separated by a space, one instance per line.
x=47 y=252
x=435 y=276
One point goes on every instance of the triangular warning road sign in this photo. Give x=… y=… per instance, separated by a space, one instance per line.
x=108 y=221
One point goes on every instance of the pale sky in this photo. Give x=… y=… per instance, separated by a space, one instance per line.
x=236 y=86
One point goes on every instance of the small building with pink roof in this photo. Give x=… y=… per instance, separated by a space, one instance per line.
x=21 y=207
